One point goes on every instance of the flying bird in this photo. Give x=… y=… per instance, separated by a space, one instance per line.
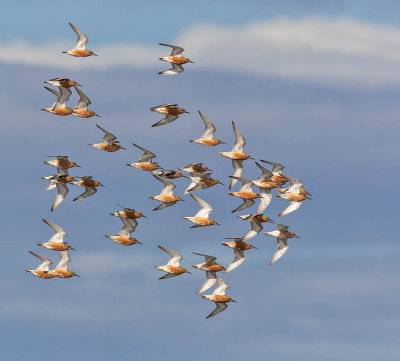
x=211 y=267
x=256 y=221
x=277 y=175
x=246 y=193
x=172 y=268
x=293 y=195
x=81 y=108
x=176 y=59
x=62 y=82
x=172 y=112
x=61 y=270
x=201 y=218
x=90 y=185
x=42 y=270
x=219 y=298
x=109 y=143
x=145 y=161
x=124 y=235
x=238 y=246
x=59 y=107
x=237 y=155
x=208 y=136
x=56 y=242
x=167 y=194
x=80 y=47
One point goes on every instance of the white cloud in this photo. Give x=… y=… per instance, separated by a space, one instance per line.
x=315 y=49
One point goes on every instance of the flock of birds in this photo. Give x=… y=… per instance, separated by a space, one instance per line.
x=198 y=174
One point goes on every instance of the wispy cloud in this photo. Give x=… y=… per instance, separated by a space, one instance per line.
x=314 y=49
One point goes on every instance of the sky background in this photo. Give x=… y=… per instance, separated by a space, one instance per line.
x=313 y=85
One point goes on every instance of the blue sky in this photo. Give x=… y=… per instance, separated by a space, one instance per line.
x=333 y=296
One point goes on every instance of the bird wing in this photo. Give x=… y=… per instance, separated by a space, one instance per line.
x=237 y=261
x=290 y=208
x=256 y=228
x=176 y=50
x=282 y=248
x=44 y=262
x=221 y=288
x=108 y=137
x=168 y=185
x=176 y=69
x=168 y=119
x=83 y=101
x=210 y=128
x=210 y=281
x=220 y=307
x=82 y=38
x=62 y=190
x=265 y=200
x=147 y=156
x=238 y=170
x=265 y=173
x=64 y=260
x=175 y=257
x=276 y=167
x=247 y=203
x=205 y=209
x=89 y=191
x=208 y=259
x=59 y=233
x=240 y=141
x=62 y=98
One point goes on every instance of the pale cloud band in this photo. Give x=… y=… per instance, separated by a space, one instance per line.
x=339 y=51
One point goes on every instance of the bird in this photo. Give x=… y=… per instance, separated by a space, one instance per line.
x=282 y=248
x=90 y=185
x=167 y=194
x=246 y=193
x=62 y=82
x=293 y=195
x=219 y=298
x=108 y=143
x=61 y=162
x=59 y=181
x=172 y=112
x=208 y=136
x=282 y=231
x=201 y=217
x=61 y=270
x=256 y=221
x=60 y=105
x=168 y=173
x=56 y=242
x=237 y=155
x=195 y=168
x=81 y=108
x=172 y=268
x=211 y=268
x=264 y=180
x=124 y=235
x=128 y=213
x=145 y=161
x=80 y=47
x=42 y=270
x=277 y=176
x=200 y=181
x=176 y=59
x=238 y=246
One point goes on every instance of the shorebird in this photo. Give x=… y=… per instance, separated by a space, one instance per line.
x=282 y=248
x=176 y=59
x=246 y=193
x=293 y=195
x=264 y=180
x=208 y=136
x=128 y=213
x=58 y=178
x=256 y=221
x=172 y=112
x=124 y=235
x=195 y=168
x=219 y=298
x=201 y=218
x=237 y=155
x=81 y=108
x=62 y=82
x=201 y=181
x=80 y=47
x=144 y=162
x=239 y=246
x=277 y=175
x=302 y=191
x=167 y=173
x=167 y=194
x=90 y=185
x=56 y=242
x=108 y=143
x=282 y=231
x=211 y=268
x=61 y=270
x=173 y=267
x=60 y=105
x=61 y=161
x=42 y=270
